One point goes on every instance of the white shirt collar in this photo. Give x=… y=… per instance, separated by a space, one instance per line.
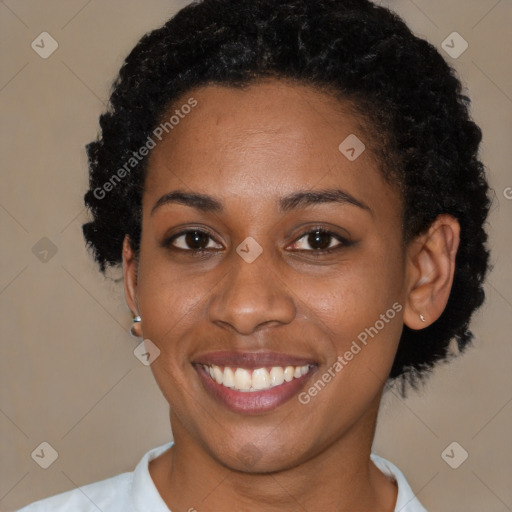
x=406 y=500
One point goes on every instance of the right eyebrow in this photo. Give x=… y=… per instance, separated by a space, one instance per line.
x=201 y=202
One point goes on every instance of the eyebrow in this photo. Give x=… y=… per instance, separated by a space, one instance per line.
x=296 y=200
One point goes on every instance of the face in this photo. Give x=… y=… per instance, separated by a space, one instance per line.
x=260 y=277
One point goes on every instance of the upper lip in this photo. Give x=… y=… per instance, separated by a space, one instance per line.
x=252 y=359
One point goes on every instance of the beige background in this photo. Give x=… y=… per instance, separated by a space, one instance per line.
x=68 y=373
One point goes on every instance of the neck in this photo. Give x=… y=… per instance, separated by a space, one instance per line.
x=340 y=478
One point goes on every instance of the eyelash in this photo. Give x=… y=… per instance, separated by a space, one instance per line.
x=168 y=243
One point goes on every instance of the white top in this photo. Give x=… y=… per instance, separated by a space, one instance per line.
x=135 y=491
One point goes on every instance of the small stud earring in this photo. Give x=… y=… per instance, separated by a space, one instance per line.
x=136 y=319
x=422 y=318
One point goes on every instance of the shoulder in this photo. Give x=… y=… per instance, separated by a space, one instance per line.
x=125 y=492
x=111 y=494
x=406 y=500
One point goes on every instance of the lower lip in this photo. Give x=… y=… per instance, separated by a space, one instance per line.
x=252 y=402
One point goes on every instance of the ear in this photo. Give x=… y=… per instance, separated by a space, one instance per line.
x=130 y=264
x=430 y=270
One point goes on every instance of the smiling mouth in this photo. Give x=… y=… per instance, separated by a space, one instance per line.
x=253 y=382
x=257 y=379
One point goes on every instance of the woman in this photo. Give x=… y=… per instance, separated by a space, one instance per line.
x=293 y=191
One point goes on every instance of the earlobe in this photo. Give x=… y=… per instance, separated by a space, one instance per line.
x=130 y=282
x=431 y=267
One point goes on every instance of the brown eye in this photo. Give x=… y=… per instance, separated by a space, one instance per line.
x=320 y=240
x=192 y=240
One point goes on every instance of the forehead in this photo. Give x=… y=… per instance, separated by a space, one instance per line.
x=271 y=138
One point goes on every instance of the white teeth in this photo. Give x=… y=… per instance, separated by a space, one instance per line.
x=260 y=379
x=217 y=374
x=241 y=379
x=288 y=373
x=276 y=376
x=229 y=378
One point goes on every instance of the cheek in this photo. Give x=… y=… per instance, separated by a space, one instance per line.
x=171 y=306
x=361 y=311
x=169 y=292
x=360 y=290
x=361 y=316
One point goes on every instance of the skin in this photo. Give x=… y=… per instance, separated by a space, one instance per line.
x=248 y=148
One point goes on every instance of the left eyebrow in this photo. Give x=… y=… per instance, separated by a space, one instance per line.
x=300 y=199
x=305 y=198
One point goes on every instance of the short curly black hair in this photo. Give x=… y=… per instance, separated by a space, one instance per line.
x=362 y=53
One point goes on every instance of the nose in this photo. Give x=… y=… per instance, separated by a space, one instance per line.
x=252 y=295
